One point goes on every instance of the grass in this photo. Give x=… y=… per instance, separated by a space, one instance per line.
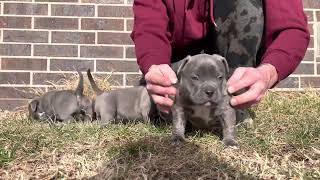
x=282 y=143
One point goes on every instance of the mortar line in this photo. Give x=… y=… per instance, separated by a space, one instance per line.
x=70 y=17
x=31 y=78
x=79 y=53
x=32 y=50
x=2 y=8
x=124 y=79
x=124 y=52
x=32 y=22
x=96 y=38
x=73 y=30
x=66 y=3
x=79 y=23
x=48 y=64
x=49 y=9
x=315 y=40
x=96 y=10
x=50 y=37
x=1 y=39
x=70 y=44
x=71 y=58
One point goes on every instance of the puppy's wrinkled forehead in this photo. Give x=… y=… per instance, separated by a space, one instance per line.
x=204 y=65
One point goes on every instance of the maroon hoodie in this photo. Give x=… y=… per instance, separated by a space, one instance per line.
x=163 y=27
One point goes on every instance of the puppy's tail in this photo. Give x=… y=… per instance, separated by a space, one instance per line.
x=93 y=84
x=79 y=90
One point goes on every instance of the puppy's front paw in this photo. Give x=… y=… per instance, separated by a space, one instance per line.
x=230 y=143
x=177 y=140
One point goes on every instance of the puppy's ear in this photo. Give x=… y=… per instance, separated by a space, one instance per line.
x=181 y=64
x=33 y=105
x=225 y=63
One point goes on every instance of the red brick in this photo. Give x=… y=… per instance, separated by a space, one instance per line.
x=117 y=66
x=130 y=52
x=23 y=64
x=132 y=79
x=15 y=22
x=56 y=50
x=72 y=10
x=113 y=79
x=304 y=68
x=307 y=82
x=64 y=1
x=45 y=78
x=14 y=78
x=309 y=56
x=70 y=65
x=103 y=1
x=25 y=36
x=130 y=24
x=101 y=52
x=55 y=23
x=115 y=11
x=309 y=15
x=15 y=49
x=102 y=24
x=114 y=38
x=13 y=104
x=313 y=4
x=73 y=37
x=311 y=43
x=290 y=82
x=318 y=69
x=19 y=92
x=310 y=27
x=25 y=9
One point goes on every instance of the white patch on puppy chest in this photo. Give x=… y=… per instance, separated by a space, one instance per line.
x=202 y=112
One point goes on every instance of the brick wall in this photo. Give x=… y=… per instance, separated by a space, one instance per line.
x=47 y=39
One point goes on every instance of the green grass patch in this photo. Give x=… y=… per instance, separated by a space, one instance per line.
x=282 y=143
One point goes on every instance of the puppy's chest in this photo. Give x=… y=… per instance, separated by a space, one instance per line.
x=202 y=116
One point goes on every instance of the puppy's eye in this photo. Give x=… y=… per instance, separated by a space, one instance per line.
x=220 y=77
x=195 y=77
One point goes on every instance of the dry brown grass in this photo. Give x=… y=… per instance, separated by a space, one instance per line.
x=283 y=143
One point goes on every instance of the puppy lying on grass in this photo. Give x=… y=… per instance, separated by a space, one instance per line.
x=62 y=105
x=122 y=104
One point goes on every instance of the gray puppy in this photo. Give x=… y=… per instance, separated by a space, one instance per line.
x=122 y=104
x=63 y=105
x=202 y=98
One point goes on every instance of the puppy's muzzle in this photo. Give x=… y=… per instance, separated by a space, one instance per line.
x=209 y=91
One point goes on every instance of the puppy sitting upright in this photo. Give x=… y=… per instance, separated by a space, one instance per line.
x=202 y=97
x=63 y=105
x=122 y=104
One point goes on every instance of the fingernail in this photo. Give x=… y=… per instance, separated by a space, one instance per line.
x=233 y=102
x=173 y=80
x=230 y=89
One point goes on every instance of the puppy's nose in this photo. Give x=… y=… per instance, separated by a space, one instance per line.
x=209 y=92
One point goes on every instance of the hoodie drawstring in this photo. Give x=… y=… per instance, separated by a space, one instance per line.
x=212 y=13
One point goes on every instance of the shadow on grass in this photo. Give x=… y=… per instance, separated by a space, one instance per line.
x=156 y=158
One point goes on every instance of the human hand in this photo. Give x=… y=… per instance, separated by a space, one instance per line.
x=256 y=80
x=160 y=79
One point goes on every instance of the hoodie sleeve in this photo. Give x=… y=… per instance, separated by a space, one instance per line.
x=286 y=35
x=150 y=33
